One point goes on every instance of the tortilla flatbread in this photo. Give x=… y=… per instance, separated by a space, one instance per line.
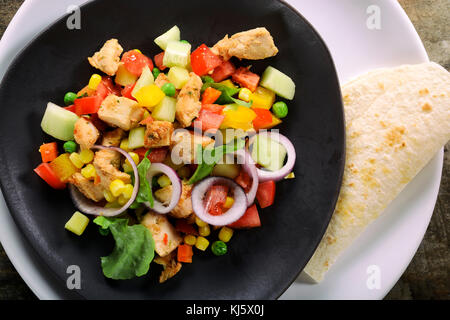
x=396 y=121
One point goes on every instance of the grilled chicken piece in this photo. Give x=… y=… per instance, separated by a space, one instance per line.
x=184 y=144
x=106 y=163
x=120 y=112
x=108 y=58
x=254 y=44
x=158 y=134
x=87 y=187
x=171 y=266
x=113 y=138
x=85 y=133
x=188 y=101
x=184 y=206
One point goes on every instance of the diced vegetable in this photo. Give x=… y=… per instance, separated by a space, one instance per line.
x=219 y=248
x=225 y=234
x=69 y=98
x=266 y=194
x=210 y=95
x=278 y=82
x=155 y=72
x=89 y=172
x=76 y=160
x=241 y=118
x=48 y=175
x=246 y=78
x=250 y=219
x=126 y=92
x=231 y=170
x=136 y=138
x=204 y=231
x=263 y=98
x=164 y=181
x=208 y=120
x=275 y=122
x=280 y=109
x=63 y=167
x=159 y=58
x=125 y=77
x=202 y=243
x=215 y=199
x=190 y=239
x=87 y=105
x=204 y=60
x=268 y=153
x=58 y=122
x=49 y=151
x=224 y=71
x=244 y=180
x=178 y=77
x=216 y=108
x=70 y=146
x=94 y=81
x=169 y=89
x=184 y=253
x=77 y=223
x=135 y=62
x=86 y=156
x=228 y=83
x=177 y=54
x=171 y=35
x=245 y=94
x=146 y=79
x=165 y=110
x=149 y=96
x=156 y=155
x=263 y=118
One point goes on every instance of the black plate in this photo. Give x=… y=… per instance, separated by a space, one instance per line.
x=261 y=262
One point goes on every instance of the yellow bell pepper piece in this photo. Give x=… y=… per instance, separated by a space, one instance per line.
x=149 y=96
x=263 y=98
x=63 y=167
x=241 y=118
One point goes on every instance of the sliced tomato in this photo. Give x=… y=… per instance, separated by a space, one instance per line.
x=250 y=219
x=224 y=71
x=266 y=194
x=126 y=92
x=87 y=105
x=159 y=61
x=135 y=62
x=204 y=60
x=216 y=108
x=181 y=225
x=246 y=78
x=157 y=155
x=263 y=118
x=210 y=95
x=215 y=199
x=244 y=180
x=48 y=175
x=208 y=120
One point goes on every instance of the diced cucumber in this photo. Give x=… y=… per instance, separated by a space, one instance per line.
x=278 y=82
x=124 y=77
x=268 y=153
x=172 y=35
x=58 y=122
x=145 y=79
x=165 y=110
x=136 y=138
x=178 y=77
x=177 y=54
x=77 y=223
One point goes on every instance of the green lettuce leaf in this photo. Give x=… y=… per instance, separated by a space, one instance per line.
x=145 y=189
x=134 y=250
x=227 y=94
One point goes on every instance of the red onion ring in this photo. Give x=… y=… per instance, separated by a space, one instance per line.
x=233 y=214
x=266 y=175
x=249 y=166
x=88 y=206
x=159 y=207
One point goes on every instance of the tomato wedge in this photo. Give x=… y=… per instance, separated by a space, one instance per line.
x=244 y=180
x=87 y=105
x=215 y=199
x=135 y=62
x=266 y=194
x=126 y=92
x=224 y=71
x=250 y=219
x=157 y=155
x=208 y=120
x=246 y=78
x=204 y=60
x=159 y=61
x=215 y=108
x=48 y=175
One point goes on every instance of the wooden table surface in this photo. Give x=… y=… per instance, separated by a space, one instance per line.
x=427 y=277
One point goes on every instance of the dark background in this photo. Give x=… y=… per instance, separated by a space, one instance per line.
x=427 y=277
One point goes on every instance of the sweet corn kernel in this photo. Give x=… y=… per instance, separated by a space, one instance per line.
x=116 y=187
x=87 y=156
x=122 y=200
x=94 y=81
x=89 y=172
x=109 y=196
x=190 y=239
x=133 y=156
x=127 y=191
x=76 y=160
x=77 y=223
x=225 y=234
x=204 y=231
x=199 y=222
x=228 y=203
x=124 y=145
x=245 y=94
x=201 y=243
x=164 y=181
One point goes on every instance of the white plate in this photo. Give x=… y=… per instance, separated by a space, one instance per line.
x=388 y=244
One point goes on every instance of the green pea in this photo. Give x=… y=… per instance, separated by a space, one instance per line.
x=184 y=41
x=69 y=98
x=219 y=248
x=280 y=109
x=207 y=79
x=70 y=146
x=169 y=89
x=156 y=72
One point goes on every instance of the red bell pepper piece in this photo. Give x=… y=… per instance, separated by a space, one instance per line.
x=157 y=155
x=159 y=61
x=71 y=108
x=135 y=62
x=266 y=194
x=204 y=60
x=48 y=175
x=87 y=105
x=263 y=118
x=225 y=70
x=210 y=95
x=250 y=219
x=246 y=78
